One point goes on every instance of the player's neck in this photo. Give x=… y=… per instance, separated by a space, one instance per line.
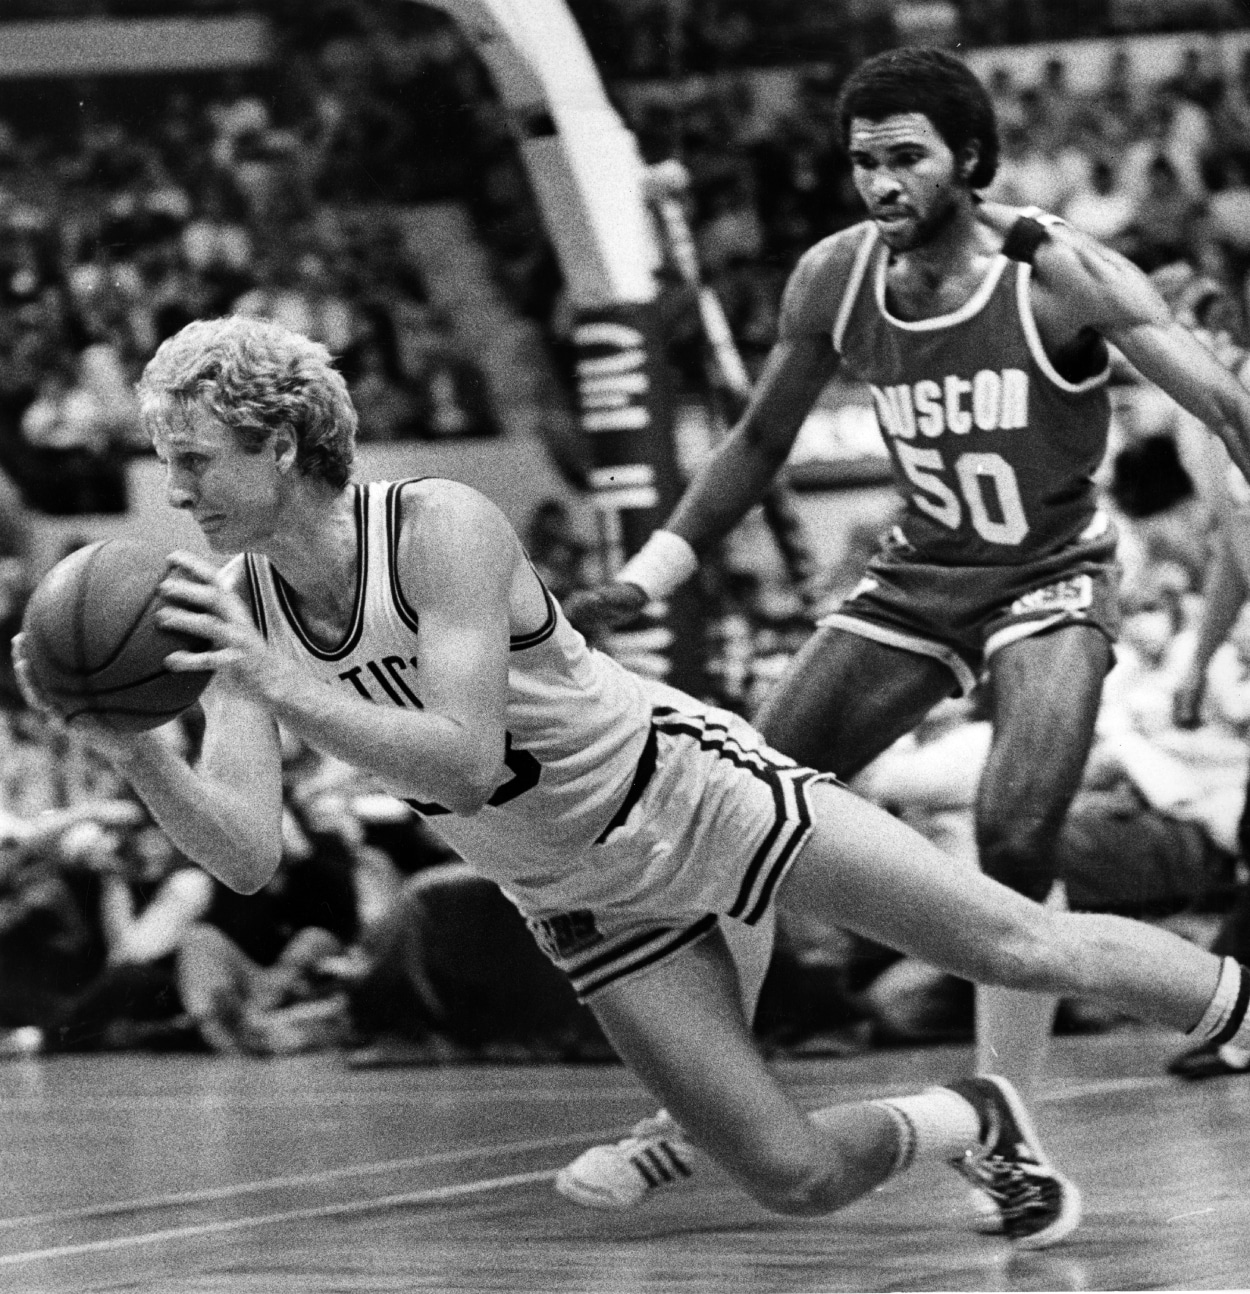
x=315 y=547
x=953 y=248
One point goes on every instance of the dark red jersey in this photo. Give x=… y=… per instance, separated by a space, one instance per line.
x=993 y=449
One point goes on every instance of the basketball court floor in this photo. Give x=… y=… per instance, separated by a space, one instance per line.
x=160 y=1174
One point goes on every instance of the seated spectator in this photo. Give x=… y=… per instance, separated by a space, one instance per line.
x=1162 y=228
x=216 y=242
x=1227 y=222
x=1103 y=210
x=52 y=941
x=454 y=972
x=150 y=897
x=301 y=294
x=69 y=461
x=249 y=971
x=452 y=398
x=560 y=555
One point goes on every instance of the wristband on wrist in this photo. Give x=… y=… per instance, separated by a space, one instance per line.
x=663 y=564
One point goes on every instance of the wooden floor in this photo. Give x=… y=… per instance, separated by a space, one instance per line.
x=164 y=1174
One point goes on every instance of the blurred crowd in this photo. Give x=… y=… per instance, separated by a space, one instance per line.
x=129 y=206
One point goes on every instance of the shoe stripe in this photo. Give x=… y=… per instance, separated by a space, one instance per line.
x=645 y=1171
x=658 y=1164
x=1238 y=1014
x=674 y=1158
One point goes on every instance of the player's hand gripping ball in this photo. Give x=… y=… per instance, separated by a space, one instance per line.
x=92 y=643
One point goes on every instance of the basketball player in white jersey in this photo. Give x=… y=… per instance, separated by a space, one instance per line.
x=983 y=334
x=400 y=627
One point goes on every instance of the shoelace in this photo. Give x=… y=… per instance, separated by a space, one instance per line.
x=1015 y=1191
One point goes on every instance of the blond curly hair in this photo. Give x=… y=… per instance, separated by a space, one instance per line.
x=255 y=376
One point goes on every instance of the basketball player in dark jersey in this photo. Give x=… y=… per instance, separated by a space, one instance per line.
x=400 y=627
x=983 y=334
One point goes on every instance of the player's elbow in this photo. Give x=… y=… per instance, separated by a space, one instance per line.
x=249 y=871
x=245 y=883
x=478 y=775
x=474 y=789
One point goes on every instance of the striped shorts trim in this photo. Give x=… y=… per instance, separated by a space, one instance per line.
x=597 y=949
x=792 y=814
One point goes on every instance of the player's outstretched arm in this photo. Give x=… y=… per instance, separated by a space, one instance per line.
x=739 y=473
x=1102 y=291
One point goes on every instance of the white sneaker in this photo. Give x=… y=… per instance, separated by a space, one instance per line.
x=654 y=1157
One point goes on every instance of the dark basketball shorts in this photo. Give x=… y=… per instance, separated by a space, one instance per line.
x=709 y=838
x=962 y=615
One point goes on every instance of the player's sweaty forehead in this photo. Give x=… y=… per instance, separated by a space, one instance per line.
x=903 y=130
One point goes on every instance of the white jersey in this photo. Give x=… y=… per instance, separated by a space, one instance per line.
x=577 y=721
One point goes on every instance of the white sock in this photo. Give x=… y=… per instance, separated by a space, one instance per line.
x=934 y=1124
x=1224 y=1022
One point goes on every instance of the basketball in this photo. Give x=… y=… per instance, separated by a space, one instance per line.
x=93 y=643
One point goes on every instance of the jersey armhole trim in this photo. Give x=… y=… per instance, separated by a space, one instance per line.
x=854 y=282
x=403 y=610
x=1024 y=277
x=519 y=642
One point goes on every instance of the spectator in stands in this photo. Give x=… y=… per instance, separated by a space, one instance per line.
x=453 y=973
x=1163 y=225
x=1230 y=114
x=216 y=243
x=299 y=292
x=149 y=899
x=249 y=971
x=52 y=940
x=70 y=462
x=1102 y=209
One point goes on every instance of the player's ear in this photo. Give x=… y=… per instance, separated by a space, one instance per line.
x=285 y=448
x=967 y=159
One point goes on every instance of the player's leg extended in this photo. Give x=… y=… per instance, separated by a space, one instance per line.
x=1045 y=692
x=876 y=876
x=844 y=699
x=681 y=1029
x=658 y=1156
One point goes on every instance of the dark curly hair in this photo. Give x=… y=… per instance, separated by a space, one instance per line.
x=932 y=82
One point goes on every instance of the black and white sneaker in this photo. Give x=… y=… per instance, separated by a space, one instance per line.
x=1038 y=1206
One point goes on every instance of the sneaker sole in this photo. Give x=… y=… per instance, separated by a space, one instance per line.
x=588 y=1196
x=1070 y=1198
